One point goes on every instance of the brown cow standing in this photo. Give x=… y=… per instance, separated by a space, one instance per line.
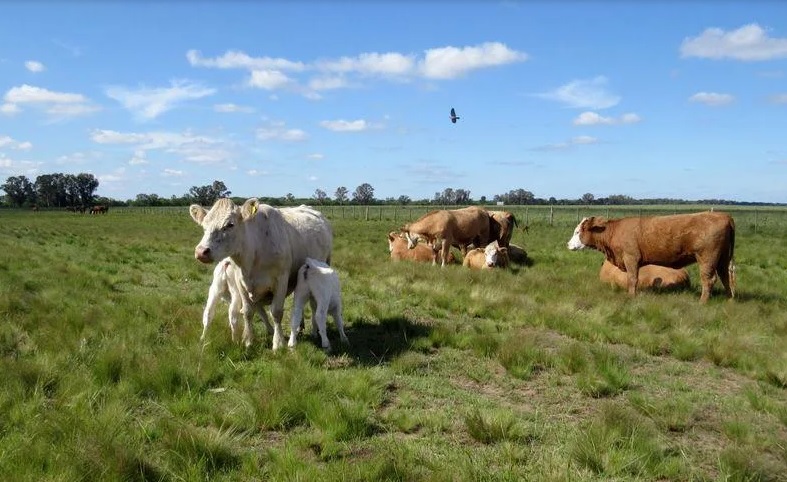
x=676 y=241
x=650 y=276
x=460 y=227
x=501 y=227
x=101 y=209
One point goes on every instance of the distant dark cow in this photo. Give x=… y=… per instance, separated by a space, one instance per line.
x=650 y=276
x=35 y=208
x=459 y=227
x=101 y=209
x=676 y=241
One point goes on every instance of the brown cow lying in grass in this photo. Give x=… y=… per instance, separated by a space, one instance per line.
x=492 y=256
x=650 y=276
x=460 y=227
x=707 y=238
x=422 y=253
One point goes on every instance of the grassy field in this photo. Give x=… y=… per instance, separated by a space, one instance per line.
x=533 y=373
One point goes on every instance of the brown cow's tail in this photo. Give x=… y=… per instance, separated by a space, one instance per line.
x=731 y=266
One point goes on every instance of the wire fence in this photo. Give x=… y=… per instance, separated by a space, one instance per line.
x=747 y=218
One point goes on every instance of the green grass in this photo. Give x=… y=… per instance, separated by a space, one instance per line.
x=532 y=373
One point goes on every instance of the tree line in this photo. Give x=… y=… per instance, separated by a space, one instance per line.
x=64 y=190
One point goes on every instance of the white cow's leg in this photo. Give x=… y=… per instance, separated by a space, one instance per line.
x=321 y=316
x=315 y=328
x=299 y=297
x=336 y=313
x=247 y=311
x=277 y=310
x=234 y=311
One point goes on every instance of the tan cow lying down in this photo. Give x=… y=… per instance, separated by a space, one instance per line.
x=707 y=238
x=460 y=227
x=492 y=256
x=650 y=276
x=397 y=246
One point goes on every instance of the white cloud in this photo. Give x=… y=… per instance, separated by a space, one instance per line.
x=574 y=141
x=58 y=105
x=277 y=130
x=584 y=94
x=255 y=172
x=328 y=83
x=749 y=43
x=268 y=79
x=9 y=109
x=239 y=60
x=187 y=146
x=9 y=166
x=6 y=141
x=590 y=118
x=139 y=157
x=316 y=156
x=342 y=125
x=452 y=62
x=34 y=66
x=171 y=173
x=313 y=178
x=148 y=103
x=28 y=94
x=779 y=99
x=372 y=63
x=711 y=98
x=78 y=157
x=229 y=108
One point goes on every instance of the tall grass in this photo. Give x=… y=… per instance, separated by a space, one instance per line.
x=536 y=372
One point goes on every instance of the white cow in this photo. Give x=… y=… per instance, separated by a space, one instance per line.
x=227 y=285
x=319 y=284
x=268 y=245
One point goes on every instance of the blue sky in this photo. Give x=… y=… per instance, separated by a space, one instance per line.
x=647 y=99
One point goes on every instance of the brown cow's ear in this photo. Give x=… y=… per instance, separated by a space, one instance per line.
x=597 y=225
x=197 y=213
x=249 y=208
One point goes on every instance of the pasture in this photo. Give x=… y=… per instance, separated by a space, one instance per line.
x=536 y=372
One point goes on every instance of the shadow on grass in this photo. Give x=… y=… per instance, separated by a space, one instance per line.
x=373 y=343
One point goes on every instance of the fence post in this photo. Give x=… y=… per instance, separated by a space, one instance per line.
x=366 y=214
x=756 y=219
x=551 y=215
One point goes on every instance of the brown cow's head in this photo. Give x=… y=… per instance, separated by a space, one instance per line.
x=583 y=234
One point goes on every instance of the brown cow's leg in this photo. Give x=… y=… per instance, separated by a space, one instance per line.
x=708 y=278
x=632 y=272
x=446 y=249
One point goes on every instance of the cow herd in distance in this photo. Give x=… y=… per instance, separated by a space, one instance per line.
x=264 y=253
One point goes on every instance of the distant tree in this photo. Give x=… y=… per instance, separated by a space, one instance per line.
x=364 y=194
x=587 y=198
x=86 y=185
x=404 y=200
x=482 y=200
x=289 y=198
x=18 y=191
x=516 y=197
x=552 y=200
x=341 y=194
x=320 y=196
x=207 y=195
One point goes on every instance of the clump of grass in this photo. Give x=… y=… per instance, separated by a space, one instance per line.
x=606 y=377
x=494 y=426
x=743 y=464
x=573 y=358
x=619 y=443
x=522 y=355
x=676 y=414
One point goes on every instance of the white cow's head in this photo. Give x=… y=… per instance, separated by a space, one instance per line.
x=222 y=236
x=575 y=242
x=494 y=254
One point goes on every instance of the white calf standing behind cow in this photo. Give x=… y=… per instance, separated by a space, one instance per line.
x=318 y=284
x=268 y=245
x=227 y=286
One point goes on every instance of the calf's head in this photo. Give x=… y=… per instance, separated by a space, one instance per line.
x=495 y=255
x=584 y=231
x=222 y=236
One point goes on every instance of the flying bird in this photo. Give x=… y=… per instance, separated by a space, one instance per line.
x=454 y=117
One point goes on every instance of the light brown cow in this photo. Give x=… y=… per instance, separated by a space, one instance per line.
x=707 y=238
x=460 y=227
x=397 y=246
x=650 y=276
x=501 y=227
x=492 y=256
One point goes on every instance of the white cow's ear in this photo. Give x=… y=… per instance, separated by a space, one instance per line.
x=249 y=208
x=197 y=213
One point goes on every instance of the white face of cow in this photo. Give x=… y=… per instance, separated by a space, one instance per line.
x=575 y=242
x=220 y=237
x=492 y=255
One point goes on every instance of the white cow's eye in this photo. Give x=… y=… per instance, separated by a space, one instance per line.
x=227 y=226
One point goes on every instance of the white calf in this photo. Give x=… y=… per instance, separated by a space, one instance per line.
x=226 y=286
x=319 y=284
